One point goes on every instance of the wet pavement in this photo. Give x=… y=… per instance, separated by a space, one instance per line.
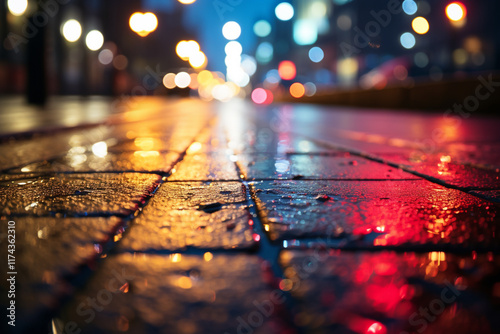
x=189 y=217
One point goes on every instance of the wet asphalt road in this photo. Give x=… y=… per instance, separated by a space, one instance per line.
x=190 y=217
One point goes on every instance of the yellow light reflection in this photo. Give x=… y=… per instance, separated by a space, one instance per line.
x=195 y=147
x=145 y=144
x=208 y=256
x=184 y=282
x=175 y=258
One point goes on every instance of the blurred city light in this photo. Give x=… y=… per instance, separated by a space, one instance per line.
x=407 y=40
x=187 y=49
x=233 y=48
x=231 y=30
x=297 y=90
x=106 y=57
x=262 y=96
x=409 y=7
x=287 y=70
x=94 y=40
x=182 y=79
x=284 y=11
x=420 y=25
x=316 y=54
x=421 y=59
x=198 y=60
x=262 y=28
x=305 y=32
x=456 y=11
x=169 y=81
x=72 y=30
x=264 y=53
x=17 y=7
x=143 y=23
x=186 y=2
x=310 y=88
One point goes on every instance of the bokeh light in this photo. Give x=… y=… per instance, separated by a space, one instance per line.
x=421 y=59
x=72 y=30
x=17 y=7
x=287 y=70
x=105 y=57
x=297 y=90
x=198 y=60
x=344 y=22
x=231 y=30
x=186 y=2
x=120 y=62
x=143 y=23
x=310 y=88
x=264 y=53
x=316 y=54
x=305 y=32
x=420 y=25
x=456 y=11
x=262 y=28
x=409 y=7
x=284 y=11
x=182 y=79
x=187 y=49
x=407 y=40
x=233 y=48
x=94 y=40
x=262 y=96
x=169 y=81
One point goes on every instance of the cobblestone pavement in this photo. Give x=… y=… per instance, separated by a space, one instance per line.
x=188 y=217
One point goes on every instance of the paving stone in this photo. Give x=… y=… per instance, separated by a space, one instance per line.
x=491 y=195
x=75 y=194
x=43 y=147
x=173 y=144
x=342 y=292
x=180 y=215
x=201 y=167
x=342 y=166
x=380 y=213
x=46 y=251
x=442 y=167
x=175 y=294
x=102 y=161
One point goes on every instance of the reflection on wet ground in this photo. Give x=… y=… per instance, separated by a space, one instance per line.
x=190 y=217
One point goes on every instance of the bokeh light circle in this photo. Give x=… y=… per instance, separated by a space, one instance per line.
x=94 y=40
x=316 y=54
x=420 y=25
x=287 y=70
x=407 y=40
x=72 y=30
x=262 y=28
x=284 y=11
x=231 y=30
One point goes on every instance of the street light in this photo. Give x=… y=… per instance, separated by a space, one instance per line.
x=143 y=23
x=456 y=13
x=72 y=30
